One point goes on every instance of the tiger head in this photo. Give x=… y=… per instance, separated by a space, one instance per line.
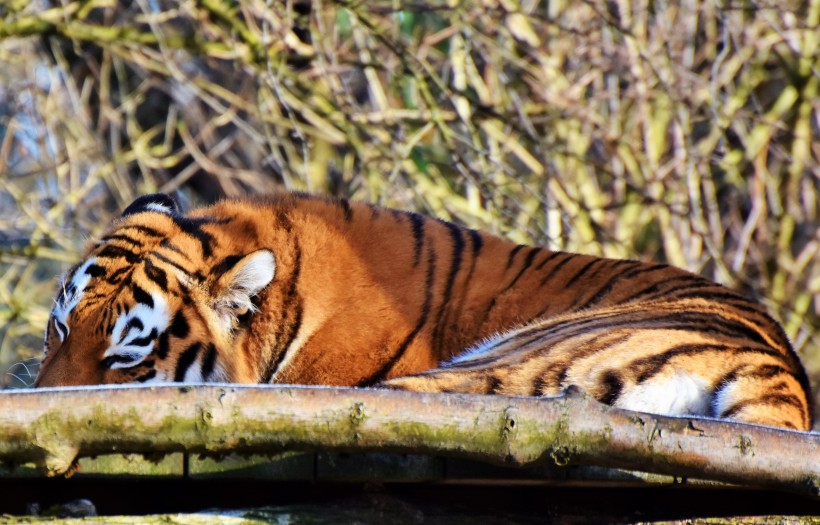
x=151 y=302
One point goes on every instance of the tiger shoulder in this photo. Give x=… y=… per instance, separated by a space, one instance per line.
x=301 y=289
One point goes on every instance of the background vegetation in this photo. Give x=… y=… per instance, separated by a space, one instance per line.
x=685 y=132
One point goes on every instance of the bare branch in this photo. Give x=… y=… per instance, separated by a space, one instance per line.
x=54 y=426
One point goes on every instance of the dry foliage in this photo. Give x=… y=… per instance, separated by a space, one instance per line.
x=677 y=131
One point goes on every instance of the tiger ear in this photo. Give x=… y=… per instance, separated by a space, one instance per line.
x=157 y=202
x=240 y=279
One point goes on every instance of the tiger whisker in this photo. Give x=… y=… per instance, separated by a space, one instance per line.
x=18 y=378
x=21 y=363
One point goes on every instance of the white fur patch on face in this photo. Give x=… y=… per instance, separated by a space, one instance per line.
x=680 y=394
x=217 y=376
x=193 y=374
x=69 y=298
x=135 y=332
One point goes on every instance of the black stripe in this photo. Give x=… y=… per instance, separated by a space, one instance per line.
x=527 y=263
x=493 y=384
x=122 y=237
x=95 y=270
x=208 y=361
x=638 y=269
x=417 y=225
x=583 y=271
x=186 y=359
x=292 y=305
x=554 y=270
x=455 y=265
x=293 y=329
x=735 y=300
x=477 y=240
x=166 y=243
x=715 y=323
x=382 y=372
x=748 y=371
x=156 y=275
x=375 y=211
x=186 y=299
x=666 y=288
x=613 y=385
x=170 y=262
x=105 y=324
x=193 y=227
x=524 y=267
x=612 y=321
x=539 y=386
x=146 y=376
x=765 y=371
x=624 y=275
x=648 y=367
x=555 y=373
x=293 y=302
x=766 y=399
x=513 y=253
x=148 y=340
x=179 y=326
x=163 y=345
x=647 y=268
x=114 y=278
x=151 y=232
x=62 y=330
x=141 y=296
x=225 y=265
x=135 y=322
x=346 y=210
x=772 y=328
x=126 y=359
x=550 y=256
x=283 y=220
x=692 y=284
x=112 y=251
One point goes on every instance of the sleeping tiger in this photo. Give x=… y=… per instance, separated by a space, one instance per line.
x=302 y=289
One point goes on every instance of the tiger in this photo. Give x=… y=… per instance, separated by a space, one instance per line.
x=297 y=288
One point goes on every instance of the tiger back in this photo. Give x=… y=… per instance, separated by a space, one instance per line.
x=301 y=289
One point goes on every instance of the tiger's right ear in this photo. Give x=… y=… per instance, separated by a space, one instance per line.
x=156 y=202
x=239 y=280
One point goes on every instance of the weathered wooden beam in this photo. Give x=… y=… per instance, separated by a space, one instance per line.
x=52 y=427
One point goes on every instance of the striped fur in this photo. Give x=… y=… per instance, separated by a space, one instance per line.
x=301 y=289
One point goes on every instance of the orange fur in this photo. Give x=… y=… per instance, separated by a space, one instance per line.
x=301 y=289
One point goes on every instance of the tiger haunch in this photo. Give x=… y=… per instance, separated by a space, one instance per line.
x=302 y=289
